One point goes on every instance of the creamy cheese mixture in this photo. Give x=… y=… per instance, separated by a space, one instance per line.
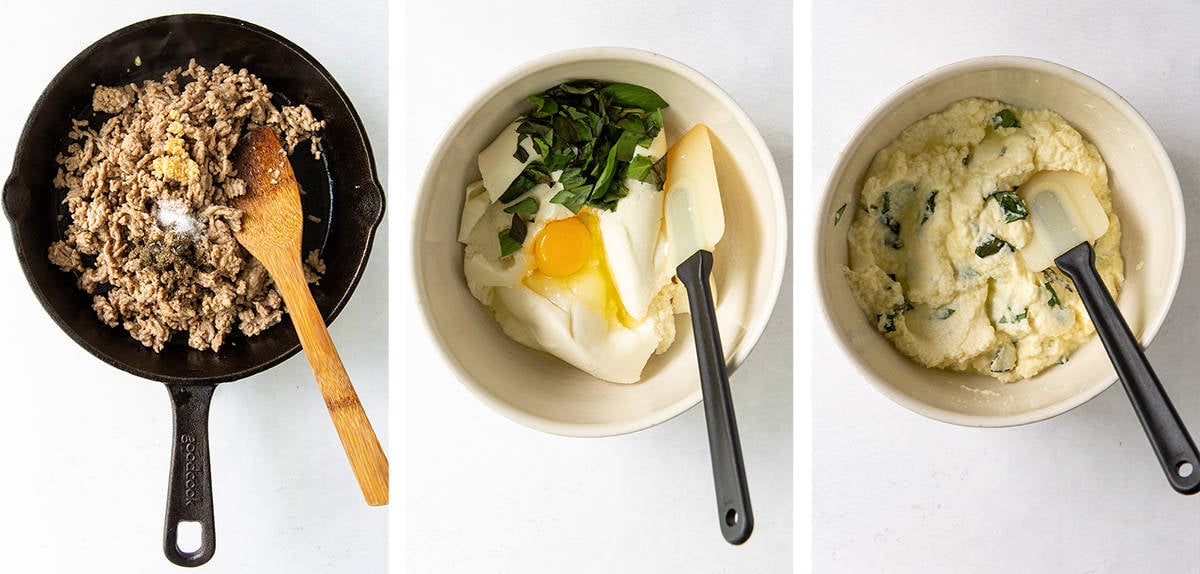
x=934 y=245
x=607 y=319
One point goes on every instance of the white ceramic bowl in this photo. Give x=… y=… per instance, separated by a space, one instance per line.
x=1146 y=197
x=535 y=388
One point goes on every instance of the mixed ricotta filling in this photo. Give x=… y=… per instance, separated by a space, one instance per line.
x=934 y=246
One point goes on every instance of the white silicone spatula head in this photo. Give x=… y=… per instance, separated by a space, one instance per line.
x=1064 y=212
x=694 y=218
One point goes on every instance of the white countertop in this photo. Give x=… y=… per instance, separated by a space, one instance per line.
x=1079 y=493
x=86 y=447
x=488 y=495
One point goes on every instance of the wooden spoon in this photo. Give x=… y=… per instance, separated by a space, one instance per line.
x=271 y=230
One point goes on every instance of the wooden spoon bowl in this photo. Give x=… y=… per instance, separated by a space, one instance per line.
x=271 y=229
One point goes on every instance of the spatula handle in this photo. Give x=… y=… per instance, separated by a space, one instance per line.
x=362 y=447
x=1174 y=447
x=729 y=473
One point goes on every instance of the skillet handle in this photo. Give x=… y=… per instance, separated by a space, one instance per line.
x=189 y=496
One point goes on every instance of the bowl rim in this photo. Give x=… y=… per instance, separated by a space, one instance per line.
x=12 y=183
x=754 y=329
x=1154 y=145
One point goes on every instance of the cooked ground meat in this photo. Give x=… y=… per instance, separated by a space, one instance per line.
x=151 y=229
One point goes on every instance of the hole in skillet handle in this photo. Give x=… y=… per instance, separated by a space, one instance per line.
x=188 y=536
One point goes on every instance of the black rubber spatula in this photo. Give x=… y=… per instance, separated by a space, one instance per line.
x=1066 y=218
x=695 y=223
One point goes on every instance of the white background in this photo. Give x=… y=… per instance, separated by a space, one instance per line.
x=488 y=495
x=1079 y=493
x=86 y=447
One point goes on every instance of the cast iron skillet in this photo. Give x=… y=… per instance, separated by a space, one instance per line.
x=342 y=190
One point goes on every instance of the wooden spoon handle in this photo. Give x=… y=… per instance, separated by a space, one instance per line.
x=367 y=458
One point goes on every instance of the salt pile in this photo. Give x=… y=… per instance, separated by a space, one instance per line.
x=174 y=215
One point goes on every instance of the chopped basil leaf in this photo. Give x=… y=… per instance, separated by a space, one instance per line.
x=1016 y=318
x=1053 y=302
x=644 y=170
x=966 y=159
x=1011 y=205
x=991 y=245
x=533 y=174
x=518 y=229
x=606 y=175
x=892 y=237
x=630 y=96
x=930 y=206
x=527 y=206
x=545 y=106
x=887 y=323
x=521 y=154
x=627 y=144
x=578 y=88
x=837 y=216
x=1005 y=119
x=575 y=191
x=508 y=245
x=943 y=313
x=534 y=127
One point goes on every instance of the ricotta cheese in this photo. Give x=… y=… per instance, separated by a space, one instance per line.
x=934 y=246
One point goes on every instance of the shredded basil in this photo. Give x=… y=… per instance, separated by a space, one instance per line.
x=886 y=323
x=631 y=96
x=1053 y=302
x=527 y=206
x=513 y=238
x=837 y=216
x=533 y=174
x=930 y=206
x=1011 y=205
x=991 y=245
x=589 y=131
x=1005 y=119
x=508 y=245
x=644 y=170
x=892 y=237
x=521 y=154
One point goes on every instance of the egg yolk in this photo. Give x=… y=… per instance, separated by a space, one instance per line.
x=562 y=247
